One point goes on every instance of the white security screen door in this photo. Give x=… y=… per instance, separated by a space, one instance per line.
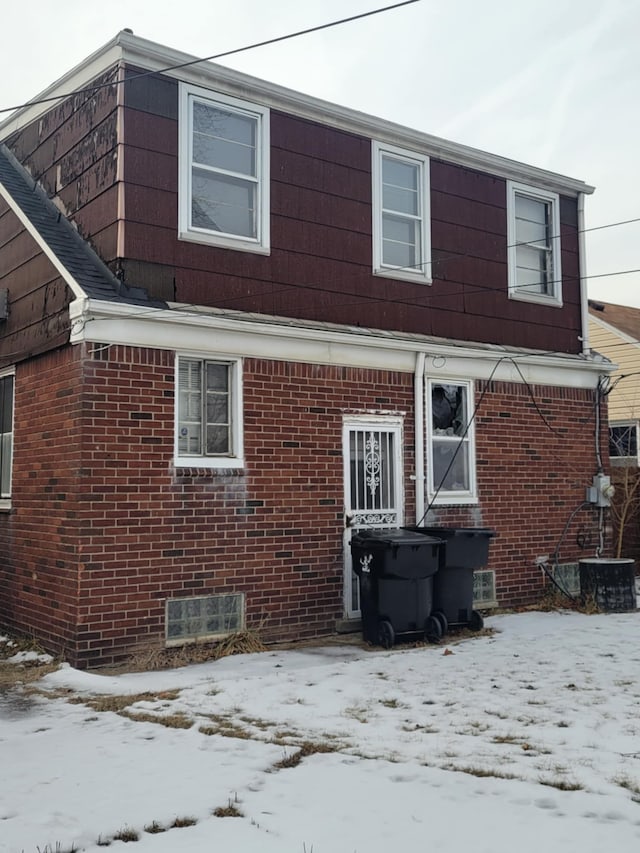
x=372 y=450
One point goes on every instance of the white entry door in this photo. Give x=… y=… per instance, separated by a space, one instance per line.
x=372 y=450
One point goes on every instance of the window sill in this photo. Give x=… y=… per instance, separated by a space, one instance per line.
x=5 y=505
x=537 y=299
x=453 y=500
x=208 y=462
x=402 y=275
x=237 y=243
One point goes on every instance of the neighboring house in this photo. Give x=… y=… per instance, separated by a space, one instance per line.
x=241 y=323
x=614 y=331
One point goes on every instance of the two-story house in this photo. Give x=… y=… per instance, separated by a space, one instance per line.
x=240 y=323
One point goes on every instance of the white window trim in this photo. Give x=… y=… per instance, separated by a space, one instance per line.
x=5 y=502
x=237 y=431
x=628 y=461
x=555 y=298
x=444 y=497
x=423 y=274
x=261 y=244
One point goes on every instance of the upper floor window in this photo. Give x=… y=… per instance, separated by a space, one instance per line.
x=224 y=171
x=533 y=239
x=208 y=413
x=6 y=435
x=451 y=442
x=401 y=226
x=623 y=443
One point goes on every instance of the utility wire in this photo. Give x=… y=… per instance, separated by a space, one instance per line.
x=276 y=40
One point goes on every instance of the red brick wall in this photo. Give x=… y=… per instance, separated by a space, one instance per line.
x=38 y=537
x=99 y=509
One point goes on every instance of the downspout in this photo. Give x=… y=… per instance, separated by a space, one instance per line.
x=582 y=271
x=418 y=391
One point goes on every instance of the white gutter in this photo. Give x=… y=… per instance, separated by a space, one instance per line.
x=582 y=268
x=233 y=333
x=419 y=434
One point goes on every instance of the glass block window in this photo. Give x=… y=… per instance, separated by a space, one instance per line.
x=567 y=576
x=204 y=616
x=484 y=589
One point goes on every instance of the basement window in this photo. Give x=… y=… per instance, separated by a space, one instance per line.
x=203 y=617
x=484 y=589
x=567 y=576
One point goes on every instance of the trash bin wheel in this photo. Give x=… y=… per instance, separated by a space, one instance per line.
x=476 y=623
x=432 y=629
x=386 y=634
x=442 y=619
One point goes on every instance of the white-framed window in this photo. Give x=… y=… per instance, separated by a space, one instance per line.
x=401 y=213
x=6 y=435
x=624 y=440
x=533 y=244
x=208 y=413
x=203 y=617
x=451 y=464
x=223 y=171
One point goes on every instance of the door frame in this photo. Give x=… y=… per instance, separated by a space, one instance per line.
x=392 y=423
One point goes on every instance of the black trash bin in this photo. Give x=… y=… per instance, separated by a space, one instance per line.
x=466 y=549
x=396 y=569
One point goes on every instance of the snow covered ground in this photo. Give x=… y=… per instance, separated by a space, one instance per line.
x=525 y=739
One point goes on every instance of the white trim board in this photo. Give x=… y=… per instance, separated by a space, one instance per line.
x=155 y=57
x=262 y=337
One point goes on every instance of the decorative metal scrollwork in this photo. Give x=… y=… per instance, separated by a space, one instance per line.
x=372 y=463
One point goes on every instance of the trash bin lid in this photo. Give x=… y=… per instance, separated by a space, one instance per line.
x=450 y=532
x=392 y=538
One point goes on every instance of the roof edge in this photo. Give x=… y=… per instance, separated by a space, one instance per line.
x=156 y=57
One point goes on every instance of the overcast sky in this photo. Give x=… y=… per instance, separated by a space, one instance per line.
x=554 y=83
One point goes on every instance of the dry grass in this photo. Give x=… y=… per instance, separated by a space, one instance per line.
x=169 y=721
x=126 y=834
x=150 y=658
x=306 y=749
x=230 y=810
x=181 y=822
x=25 y=672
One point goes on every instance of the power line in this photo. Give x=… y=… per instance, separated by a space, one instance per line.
x=92 y=89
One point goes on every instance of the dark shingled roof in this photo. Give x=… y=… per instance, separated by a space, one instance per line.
x=77 y=256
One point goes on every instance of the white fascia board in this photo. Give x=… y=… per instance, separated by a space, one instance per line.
x=184 y=329
x=75 y=288
x=627 y=339
x=155 y=57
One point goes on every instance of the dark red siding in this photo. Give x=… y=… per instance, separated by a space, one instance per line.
x=321 y=252
x=72 y=152
x=38 y=311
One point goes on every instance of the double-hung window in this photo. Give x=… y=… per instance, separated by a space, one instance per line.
x=451 y=442
x=6 y=436
x=224 y=171
x=533 y=238
x=401 y=225
x=208 y=413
